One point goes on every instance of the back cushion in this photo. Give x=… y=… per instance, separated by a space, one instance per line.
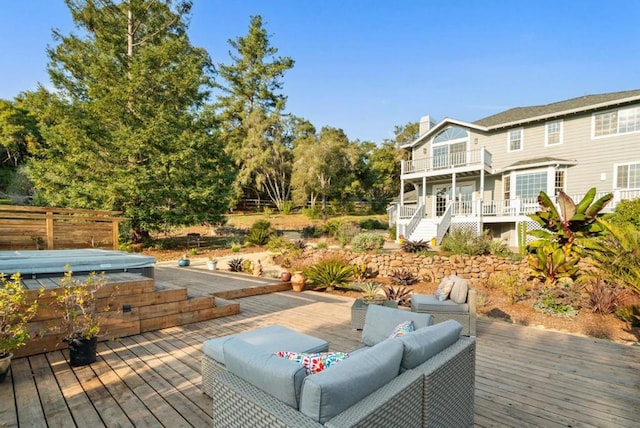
x=332 y=391
x=380 y=322
x=420 y=345
x=279 y=377
x=460 y=289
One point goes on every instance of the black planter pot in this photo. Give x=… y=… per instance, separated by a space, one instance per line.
x=83 y=351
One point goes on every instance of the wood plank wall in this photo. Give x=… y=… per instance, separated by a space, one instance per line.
x=33 y=228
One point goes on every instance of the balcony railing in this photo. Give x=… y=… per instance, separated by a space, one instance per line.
x=517 y=207
x=447 y=161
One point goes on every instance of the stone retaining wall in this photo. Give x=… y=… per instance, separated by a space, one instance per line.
x=476 y=269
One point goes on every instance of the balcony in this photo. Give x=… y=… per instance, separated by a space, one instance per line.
x=472 y=160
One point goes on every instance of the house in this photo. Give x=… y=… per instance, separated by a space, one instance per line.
x=486 y=175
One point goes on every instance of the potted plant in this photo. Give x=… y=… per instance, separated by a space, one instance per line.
x=80 y=315
x=184 y=261
x=15 y=314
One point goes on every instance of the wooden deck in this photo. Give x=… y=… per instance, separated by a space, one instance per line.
x=524 y=377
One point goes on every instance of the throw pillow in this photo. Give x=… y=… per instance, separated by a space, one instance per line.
x=459 y=291
x=444 y=289
x=315 y=362
x=402 y=329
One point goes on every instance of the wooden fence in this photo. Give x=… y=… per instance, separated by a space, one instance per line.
x=40 y=228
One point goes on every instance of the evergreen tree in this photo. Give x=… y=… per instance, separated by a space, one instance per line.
x=125 y=129
x=251 y=108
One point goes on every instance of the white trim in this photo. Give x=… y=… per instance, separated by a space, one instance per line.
x=509 y=150
x=614 y=185
x=546 y=132
x=617 y=133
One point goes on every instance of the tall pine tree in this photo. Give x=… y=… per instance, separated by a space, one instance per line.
x=126 y=128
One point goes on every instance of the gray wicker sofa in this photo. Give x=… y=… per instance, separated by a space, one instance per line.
x=425 y=378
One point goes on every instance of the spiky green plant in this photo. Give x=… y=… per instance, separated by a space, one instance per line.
x=235 y=264
x=330 y=273
x=410 y=246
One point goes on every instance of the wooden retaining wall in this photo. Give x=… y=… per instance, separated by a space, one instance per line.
x=39 y=228
x=129 y=304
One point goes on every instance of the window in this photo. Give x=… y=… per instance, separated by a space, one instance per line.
x=553 y=133
x=628 y=176
x=529 y=185
x=515 y=140
x=507 y=187
x=559 y=184
x=616 y=122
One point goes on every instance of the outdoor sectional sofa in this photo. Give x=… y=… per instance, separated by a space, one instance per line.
x=422 y=379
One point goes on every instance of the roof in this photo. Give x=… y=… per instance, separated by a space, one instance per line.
x=537 y=162
x=520 y=115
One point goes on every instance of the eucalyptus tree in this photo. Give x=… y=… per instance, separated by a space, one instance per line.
x=125 y=128
x=250 y=108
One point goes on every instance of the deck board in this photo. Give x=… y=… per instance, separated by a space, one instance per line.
x=525 y=376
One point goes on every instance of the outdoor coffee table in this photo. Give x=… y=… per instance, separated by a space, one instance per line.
x=270 y=339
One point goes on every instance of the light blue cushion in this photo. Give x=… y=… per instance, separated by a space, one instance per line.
x=279 y=377
x=272 y=338
x=332 y=391
x=420 y=345
x=380 y=322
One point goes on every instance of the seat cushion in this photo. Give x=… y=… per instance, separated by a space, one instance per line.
x=380 y=322
x=428 y=303
x=420 y=345
x=270 y=339
x=280 y=377
x=332 y=391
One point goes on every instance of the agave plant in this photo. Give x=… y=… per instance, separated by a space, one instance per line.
x=329 y=273
x=403 y=277
x=402 y=295
x=235 y=264
x=410 y=246
x=566 y=235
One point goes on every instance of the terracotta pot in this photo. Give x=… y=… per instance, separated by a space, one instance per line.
x=297 y=281
x=285 y=276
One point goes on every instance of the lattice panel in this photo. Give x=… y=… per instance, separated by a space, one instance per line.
x=467 y=227
x=531 y=225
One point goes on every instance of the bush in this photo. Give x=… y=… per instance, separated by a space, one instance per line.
x=393 y=230
x=462 y=241
x=558 y=301
x=346 y=232
x=260 y=233
x=372 y=224
x=510 y=284
x=630 y=314
x=286 y=207
x=367 y=242
x=498 y=247
x=332 y=227
x=311 y=232
x=312 y=213
x=330 y=273
x=402 y=295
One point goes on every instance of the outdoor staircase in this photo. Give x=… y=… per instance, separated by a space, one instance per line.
x=425 y=230
x=129 y=303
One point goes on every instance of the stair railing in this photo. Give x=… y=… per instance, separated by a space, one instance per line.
x=410 y=227
x=444 y=223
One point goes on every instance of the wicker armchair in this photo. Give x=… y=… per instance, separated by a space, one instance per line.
x=439 y=392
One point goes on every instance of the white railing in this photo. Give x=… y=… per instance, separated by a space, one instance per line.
x=413 y=223
x=407 y=211
x=450 y=160
x=444 y=223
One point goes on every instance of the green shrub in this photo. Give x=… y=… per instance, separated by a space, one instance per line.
x=260 y=233
x=247 y=266
x=322 y=245
x=286 y=207
x=330 y=273
x=510 y=284
x=463 y=241
x=498 y=247
x=332 y=227
x=267 y=211
x=393 y=230
x=372 y=224
x=311 y=232
x=367 y=242
x=629 y=314
x=346 y=232
x=312 y=213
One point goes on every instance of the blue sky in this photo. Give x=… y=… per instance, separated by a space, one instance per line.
x=366 y=66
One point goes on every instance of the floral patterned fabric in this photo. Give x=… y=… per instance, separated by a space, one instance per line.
x=444 y=289
x=316 y=362
x=402 y=329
